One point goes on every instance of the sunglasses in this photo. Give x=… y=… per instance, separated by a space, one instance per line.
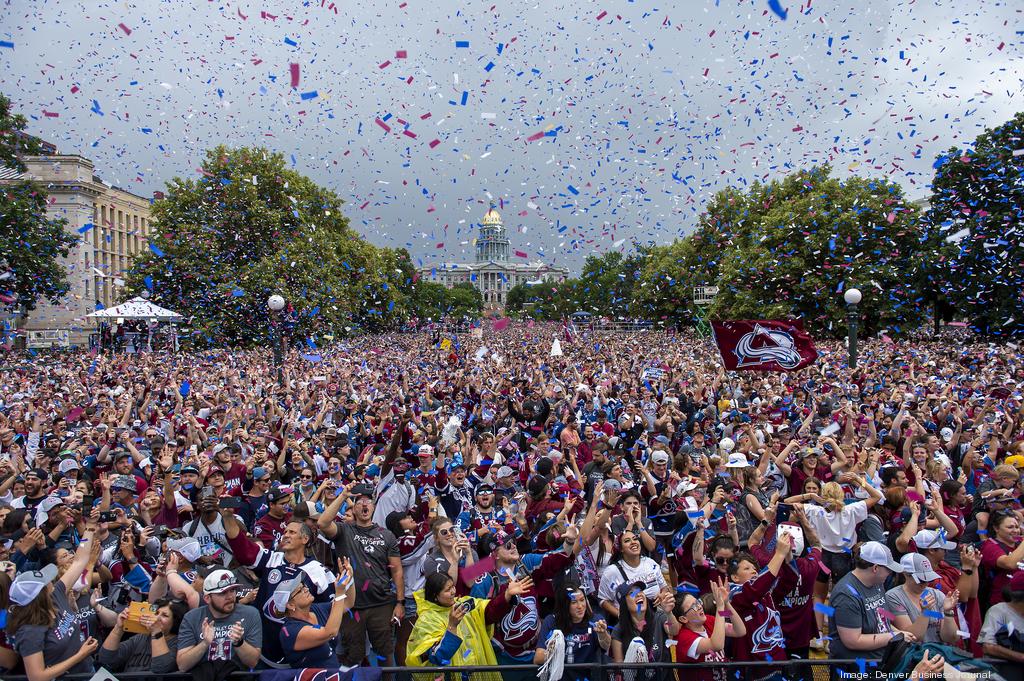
x=305 y=477
x=446 y=532
x=697 y=605
x=722 y=560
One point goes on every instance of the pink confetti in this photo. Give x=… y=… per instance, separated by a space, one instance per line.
x=51 y=114
x=520 y=254
x=294 y=68
x=500 y=324
x=366 y=585
x=127 y=31
x=434 y=143
x=409 y=133
x=385 y=64
x=535 y=136
x=602 y=15
x=891 y=217
x=387 y=128
x=401 y=54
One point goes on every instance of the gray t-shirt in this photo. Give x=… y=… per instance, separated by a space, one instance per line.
x=1000 y=616
x=59 y=642
x=856 y=607
x=369 y=549
x=221 y=647
x=899 y=603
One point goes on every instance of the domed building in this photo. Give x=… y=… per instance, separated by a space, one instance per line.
x=493 y=273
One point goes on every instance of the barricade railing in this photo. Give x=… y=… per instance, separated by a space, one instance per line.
x=791 y=670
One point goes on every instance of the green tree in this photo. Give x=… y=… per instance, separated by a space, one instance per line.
x=33 y=245
x=607 y=285
x=977 y=204
x=464 y=301
x=250 y=227
x=800 y=242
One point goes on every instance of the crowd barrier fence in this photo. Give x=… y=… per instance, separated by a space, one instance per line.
x=790 y=670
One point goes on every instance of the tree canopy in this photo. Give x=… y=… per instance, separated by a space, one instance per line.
x=33 y=245
x=977 y=206
x=250 y=227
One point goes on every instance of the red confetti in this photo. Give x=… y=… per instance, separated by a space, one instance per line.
x=124 y=28
x=385 y=64
x=602 y=15
x=294 y=68
x=401 y=54
x=434 y=143
x=387 y=128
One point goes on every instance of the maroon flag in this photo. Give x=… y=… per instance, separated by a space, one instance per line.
x=764 y=345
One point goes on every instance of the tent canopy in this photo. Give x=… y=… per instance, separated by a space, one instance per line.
x=137 y=308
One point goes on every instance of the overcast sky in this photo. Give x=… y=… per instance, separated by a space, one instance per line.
x=592 y=124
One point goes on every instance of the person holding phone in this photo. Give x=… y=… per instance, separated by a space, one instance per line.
x=450 y=631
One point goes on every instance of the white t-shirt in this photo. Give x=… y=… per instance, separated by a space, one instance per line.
x=1000 y=617
x=837 y=531
x=647 y=572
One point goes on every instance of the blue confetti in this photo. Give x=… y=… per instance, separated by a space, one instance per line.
x=776 y=6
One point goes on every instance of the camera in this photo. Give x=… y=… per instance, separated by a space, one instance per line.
x=108 y=517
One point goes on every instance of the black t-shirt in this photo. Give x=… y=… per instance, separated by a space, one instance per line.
x=369 y=548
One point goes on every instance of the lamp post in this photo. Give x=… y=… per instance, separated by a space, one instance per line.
x=852 y=298
x=276 y=303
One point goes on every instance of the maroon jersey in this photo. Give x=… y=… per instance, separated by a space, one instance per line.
x=755 y=603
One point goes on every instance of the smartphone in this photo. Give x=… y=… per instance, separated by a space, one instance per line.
x=468 y=605
x=232 y=502
x=782 y=512
x=108 y=517
x=207 y=491
x=88 y=501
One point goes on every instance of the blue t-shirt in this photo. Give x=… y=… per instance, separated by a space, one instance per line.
x=320 y=657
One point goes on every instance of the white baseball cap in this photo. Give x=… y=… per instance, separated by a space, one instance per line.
x=283 y=593
x=919 y=567
x=737 y=460
x=219 y=581
x=877 y=553
x=189 y=548
x=930 y=539
x=947 y=434
x=28 y=585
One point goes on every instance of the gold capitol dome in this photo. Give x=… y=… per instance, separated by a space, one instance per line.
x=492 y=217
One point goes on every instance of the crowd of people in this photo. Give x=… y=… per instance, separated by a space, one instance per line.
x=396 y=501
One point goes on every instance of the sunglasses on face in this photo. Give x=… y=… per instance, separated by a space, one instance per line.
x=697 y=605
x=305 y=477
x=446 y=531
x=722 y=560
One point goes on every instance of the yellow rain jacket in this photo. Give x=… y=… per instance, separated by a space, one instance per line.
x=431 y=624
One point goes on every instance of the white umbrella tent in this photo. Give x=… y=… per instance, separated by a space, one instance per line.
x=136 y=309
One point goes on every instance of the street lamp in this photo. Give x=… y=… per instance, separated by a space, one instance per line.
x=276 y=303
x=852 y=298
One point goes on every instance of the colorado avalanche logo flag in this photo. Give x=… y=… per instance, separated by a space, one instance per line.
x=764 y=345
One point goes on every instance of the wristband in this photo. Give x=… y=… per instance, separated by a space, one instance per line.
x=157 y=635
x=969 y=572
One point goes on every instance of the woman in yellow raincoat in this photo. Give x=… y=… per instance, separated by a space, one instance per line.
x=456 y=632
